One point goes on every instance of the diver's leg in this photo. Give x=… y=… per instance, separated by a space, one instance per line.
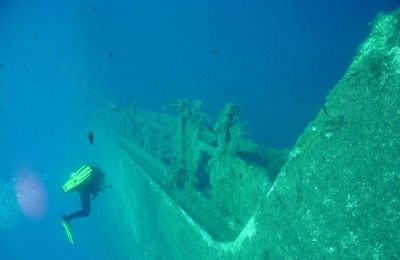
x=85 y=202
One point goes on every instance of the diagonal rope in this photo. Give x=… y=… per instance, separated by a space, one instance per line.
x=68 y=71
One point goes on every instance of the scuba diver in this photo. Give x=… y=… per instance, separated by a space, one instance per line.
x=89 y=182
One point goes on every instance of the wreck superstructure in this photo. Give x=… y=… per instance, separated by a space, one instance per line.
x=196 y=164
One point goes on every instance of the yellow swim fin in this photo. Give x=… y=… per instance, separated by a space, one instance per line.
x=67 y=230
x=78 y=178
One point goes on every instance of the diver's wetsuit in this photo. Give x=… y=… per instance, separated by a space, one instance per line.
x=88 y=191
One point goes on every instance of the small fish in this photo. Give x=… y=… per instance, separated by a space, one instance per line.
x=110 y=54
x=90 y=137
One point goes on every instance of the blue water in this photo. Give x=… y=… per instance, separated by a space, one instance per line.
x=276 y=59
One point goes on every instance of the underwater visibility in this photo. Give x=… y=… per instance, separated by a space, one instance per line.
x=199 y=129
